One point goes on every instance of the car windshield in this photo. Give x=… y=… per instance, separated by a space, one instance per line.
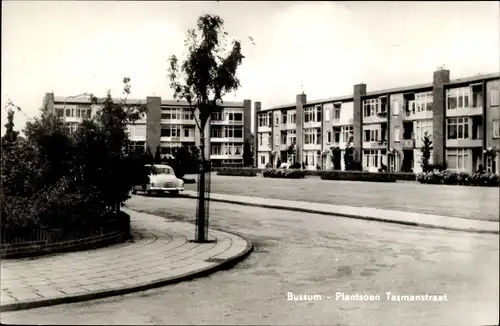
x=163 y=170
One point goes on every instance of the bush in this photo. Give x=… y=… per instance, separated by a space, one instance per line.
x=461 y=178
x=295 y=165
x=237 y=172
x=283 y=173
x=358 y=176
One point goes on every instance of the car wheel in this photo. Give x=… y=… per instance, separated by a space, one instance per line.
x=148 y=192
x=134 y=191
x=175 y=192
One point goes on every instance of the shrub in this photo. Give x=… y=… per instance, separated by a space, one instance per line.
x=358 y=176
x=461 y=178
x=237 y=172
x=295 y=165
x=283 y=173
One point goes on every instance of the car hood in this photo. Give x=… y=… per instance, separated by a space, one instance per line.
x=163 y=178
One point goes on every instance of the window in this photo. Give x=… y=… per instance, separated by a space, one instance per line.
x=171 y=114
x=68 y=112
x=260 y=139
x=171 y=131
x=491 y=164
x=283 y=137
x=336 y=136
x=216 y=116
x=187 y=115
x=397 y=132
x=395 y=107
x=371 y=135
x=494 y=97
x=329 y=136
x=422 y=127
x=336 y=111
x=238 y=117
x=312 y=136
x=457 y=128
x=371 y=158
x=262 y=159
x=457 y=159
x=216 y=150
x=186 y=132
x=283 y=118
x=347 y=133
x=318 y=113
x=265 y=120
x=277 y=123
x=290 y=135
x=292 y=119
x=496 y=128
x=458 y=98
x=308 y=115
x=233 y=132
x=371 y=107
x=60 y=112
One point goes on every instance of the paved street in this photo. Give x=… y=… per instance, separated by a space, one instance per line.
x=461 y=201
x=161 y=251
x=310 y=254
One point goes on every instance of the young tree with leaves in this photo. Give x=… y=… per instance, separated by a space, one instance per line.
x=202 y=80
x=426 y=153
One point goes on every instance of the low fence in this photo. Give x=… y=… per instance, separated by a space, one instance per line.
x=400 y=176
x=42 y=241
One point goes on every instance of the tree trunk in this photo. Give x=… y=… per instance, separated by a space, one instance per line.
x=201 y=236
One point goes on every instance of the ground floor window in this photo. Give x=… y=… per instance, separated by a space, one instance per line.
x=371 y=158
x=262 y=159
x=458 y=159
x=492 y=164
x=312 y=158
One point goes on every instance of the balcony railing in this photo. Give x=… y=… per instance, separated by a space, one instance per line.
x=408 y=143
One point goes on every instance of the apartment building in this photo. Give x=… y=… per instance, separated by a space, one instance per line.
x=170 y=124
x=386 y=127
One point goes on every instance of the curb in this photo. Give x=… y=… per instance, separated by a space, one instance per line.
x=226 y=264
x=353 y=216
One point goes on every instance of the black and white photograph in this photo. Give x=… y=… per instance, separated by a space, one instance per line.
x=250 y=163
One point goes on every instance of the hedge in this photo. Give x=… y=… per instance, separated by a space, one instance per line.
x=283 y=173
x=460 y=178
x=238 y=172
x=358 y=176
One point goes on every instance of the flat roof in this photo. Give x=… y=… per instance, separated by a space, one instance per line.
x=135 y=101
x=402 y=89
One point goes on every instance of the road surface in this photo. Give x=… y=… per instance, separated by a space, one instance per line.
x=310 y=254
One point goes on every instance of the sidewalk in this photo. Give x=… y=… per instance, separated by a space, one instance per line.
x=365 y=213
x=161 y=253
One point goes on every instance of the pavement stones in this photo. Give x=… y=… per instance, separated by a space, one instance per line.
x=160 y=254
x=366 y=213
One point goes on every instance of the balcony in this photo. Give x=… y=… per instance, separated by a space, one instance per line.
x=418 y=115
x=407 y=143
x=227 y=122
x=375 y=144
x=226 y=139
x=312 y=124
x=226 y=157
x=462 y=112
x=264 y=129
x=377 y=118
x=312 y=147
x=464 y=143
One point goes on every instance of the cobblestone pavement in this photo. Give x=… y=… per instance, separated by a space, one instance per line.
x=377 y=214
x=460 y=201
x=310 y=254
x=160 y=250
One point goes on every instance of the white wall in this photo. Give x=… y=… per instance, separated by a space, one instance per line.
x=346 y=113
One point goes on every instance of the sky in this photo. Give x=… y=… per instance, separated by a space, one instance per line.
x=319 y=48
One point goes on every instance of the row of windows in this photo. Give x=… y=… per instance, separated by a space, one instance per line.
x=312 y=136
x=226 y=149
x=312 y=114
x=227 y=132
x=227 y=116
x=74 y=113
x=372 y=107
x=175 y=131
x=176 y=114
x=373 y=158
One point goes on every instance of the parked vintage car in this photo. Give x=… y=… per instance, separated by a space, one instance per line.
x=162 y=180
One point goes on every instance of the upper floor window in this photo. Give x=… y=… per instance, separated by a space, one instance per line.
x=264 y=120
x=371 y=135
x=336 y=111
x=458 y=98
x=494 y=96
x=371 y=107
x=312 y=136
x=347 y=132
x=457 y=128
x=171 y=114
x=496 y=128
